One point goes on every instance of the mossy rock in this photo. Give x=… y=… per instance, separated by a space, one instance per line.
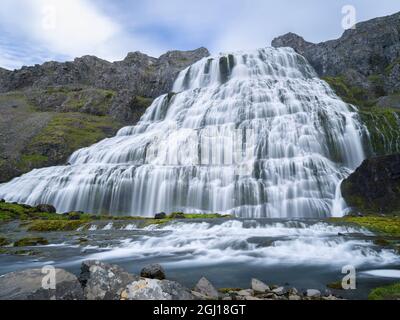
x=335 y=285
x=55 y=225
x=391 y=292
x=4 y=242
x=389 y=226
x=31 y=242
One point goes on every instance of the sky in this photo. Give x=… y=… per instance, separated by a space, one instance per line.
x=35 y=31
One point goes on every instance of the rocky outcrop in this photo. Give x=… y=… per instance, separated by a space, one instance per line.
x=101 y=281
x=138 y=73
x=205 y=288
x=104 y=281
x=28 y=285
x=153 y=289
x=375 y=186
x=366 y=57
x=153 y=271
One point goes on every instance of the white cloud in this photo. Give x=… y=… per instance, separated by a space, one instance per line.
x=69 y=28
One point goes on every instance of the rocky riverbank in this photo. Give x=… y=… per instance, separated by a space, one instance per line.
x=101 y=281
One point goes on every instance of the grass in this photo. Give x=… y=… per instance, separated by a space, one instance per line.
x=55 y=225
x=391 y=292
x=389 y=226
x=30 y=242
x=37 y=221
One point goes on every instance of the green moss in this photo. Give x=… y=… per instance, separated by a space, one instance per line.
x=350 y=94
x=30 y=242
x=31 y=161
x=142 y=102
x=23 y=253
x=335 y=285
x=385 y=225
x=4 y=242
x=384 y=127
x=228 y=290
x=55 y=225
x=391 y=292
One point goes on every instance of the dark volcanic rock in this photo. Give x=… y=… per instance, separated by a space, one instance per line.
x=103 y=281
x=153 y=271
x=46 y=208
x=367 y=57
x=375 y=186
x=27 y=285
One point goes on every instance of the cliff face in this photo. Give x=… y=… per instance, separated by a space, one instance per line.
x=375 y=186
x=367 y=56
x=138 y=73
x=48 y=111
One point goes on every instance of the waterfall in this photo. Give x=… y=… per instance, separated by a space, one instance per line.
x=253 y=134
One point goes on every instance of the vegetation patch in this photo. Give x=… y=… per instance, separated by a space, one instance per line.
x=54 y=225
x=4 y=242
x=335 y=285
x=389 y=226
x=391 y=292
x=31 y=242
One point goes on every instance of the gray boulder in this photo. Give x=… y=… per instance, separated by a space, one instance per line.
x=153 y=271
x=205 y=288
x=28 y=285
x=153 y=289
x=312 y=293
x=259 y=286
x=103 y=281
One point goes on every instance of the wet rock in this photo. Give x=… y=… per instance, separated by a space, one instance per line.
x=206 y=288
x=160 y=216
x=153 y=289
x=259 y=286
x=312 y=293
x=153 y=271
x=46 y=208
x=27 y=285
x=103 y=281
x=245 y=293
x=279 y=291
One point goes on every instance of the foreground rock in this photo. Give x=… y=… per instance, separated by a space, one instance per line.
x=206 y=289
x=375 y=186
x=103 y=281
x=153 y=289
x=27 y=285
x=153 y=271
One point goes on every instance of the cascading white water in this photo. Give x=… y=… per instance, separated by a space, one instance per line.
x=254 y=134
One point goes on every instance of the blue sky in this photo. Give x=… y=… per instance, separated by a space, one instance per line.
x=34 y=31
